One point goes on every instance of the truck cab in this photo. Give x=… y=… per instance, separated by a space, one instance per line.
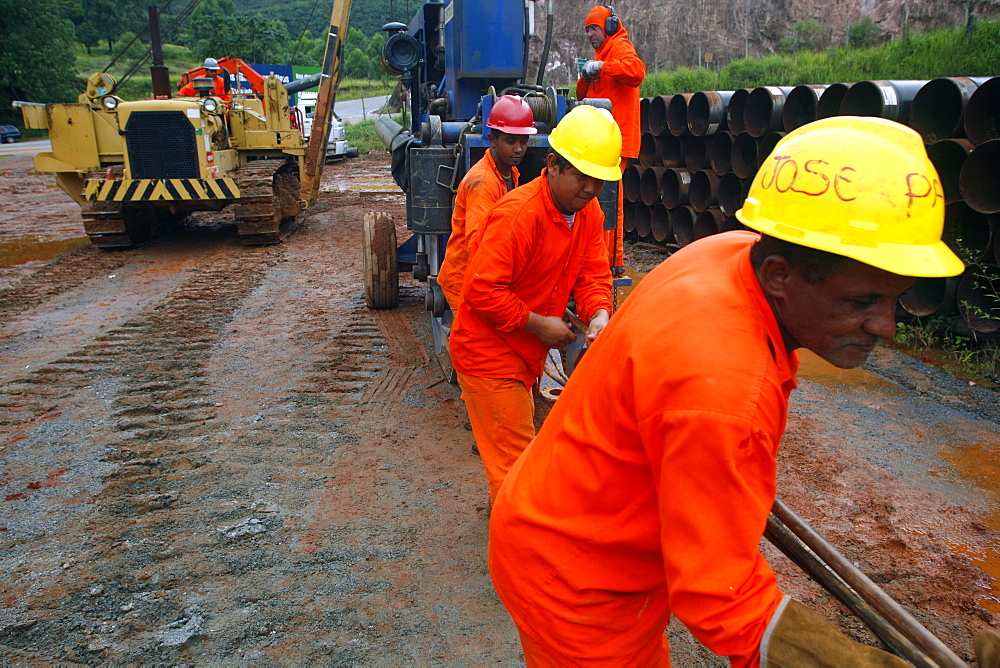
x=337 y=145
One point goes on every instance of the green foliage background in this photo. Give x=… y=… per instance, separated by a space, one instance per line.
x=921 y=56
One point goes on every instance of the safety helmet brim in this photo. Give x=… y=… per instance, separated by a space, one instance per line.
x=933 y=260
x=513 y=130
x=590 y=169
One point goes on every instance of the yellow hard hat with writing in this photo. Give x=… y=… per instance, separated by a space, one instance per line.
x=861 y=187
x=592 y=142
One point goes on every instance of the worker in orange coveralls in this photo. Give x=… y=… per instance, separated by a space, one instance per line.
x=540 y=243
x=647 y=491
x=615 y=73
x=212 y=71
x=510 y=123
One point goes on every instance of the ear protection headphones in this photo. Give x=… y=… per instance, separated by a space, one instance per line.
x=612 y=24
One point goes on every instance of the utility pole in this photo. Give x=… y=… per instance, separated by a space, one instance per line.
x=158 y=71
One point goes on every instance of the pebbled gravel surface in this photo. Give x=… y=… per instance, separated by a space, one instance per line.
x=214 y=454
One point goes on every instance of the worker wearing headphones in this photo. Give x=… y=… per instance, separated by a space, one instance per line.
x=645 y=494
x=615 y=73
x=541 y=242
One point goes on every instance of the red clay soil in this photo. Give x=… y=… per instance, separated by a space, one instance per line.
x=217 y=454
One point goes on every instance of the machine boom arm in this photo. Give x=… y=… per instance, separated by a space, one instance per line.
x=333 y=65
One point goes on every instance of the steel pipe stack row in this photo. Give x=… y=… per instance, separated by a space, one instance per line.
x=700 y=151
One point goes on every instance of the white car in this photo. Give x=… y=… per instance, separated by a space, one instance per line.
x=337 y=143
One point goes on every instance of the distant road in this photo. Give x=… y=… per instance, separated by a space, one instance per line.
x=354 y=111
x=29 y=148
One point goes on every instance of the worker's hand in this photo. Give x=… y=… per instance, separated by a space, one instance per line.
x=592 y=69
x=988 y=648
x=552 y=331
x=801 y=637
x=597 y=324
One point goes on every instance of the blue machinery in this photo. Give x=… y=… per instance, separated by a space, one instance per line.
x=455 y=59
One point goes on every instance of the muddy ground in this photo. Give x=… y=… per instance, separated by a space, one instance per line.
x=215 y=454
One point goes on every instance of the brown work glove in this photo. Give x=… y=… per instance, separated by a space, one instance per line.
x=988 y=648
x=802 y=638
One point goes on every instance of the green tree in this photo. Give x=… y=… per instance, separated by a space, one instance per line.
x=219 y=30
x=108 y=19
x=355 y=40
x=373 y=52
x=357 y=65
x=864 y=34
x=37 y=62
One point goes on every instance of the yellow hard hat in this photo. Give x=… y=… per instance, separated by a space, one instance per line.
x=861 y=187
x=592 y=142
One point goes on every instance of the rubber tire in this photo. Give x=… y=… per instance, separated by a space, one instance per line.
x=381 y=270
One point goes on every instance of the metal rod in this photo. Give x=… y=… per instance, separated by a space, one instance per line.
x=893 y=612
x=782 y=538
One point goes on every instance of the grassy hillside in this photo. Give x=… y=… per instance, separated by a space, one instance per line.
x=941 y=54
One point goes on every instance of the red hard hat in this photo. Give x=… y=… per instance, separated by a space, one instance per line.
x=512 y=115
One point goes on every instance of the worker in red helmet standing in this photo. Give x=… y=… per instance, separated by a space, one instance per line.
x=615 y=73
x=541 y=242
x=511 y=122
x=645 y=494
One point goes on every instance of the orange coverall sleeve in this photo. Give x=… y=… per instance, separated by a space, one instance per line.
x=624 y=65
x=483 y=195
x=503 y=247
x=592 y=289
x=714 y=482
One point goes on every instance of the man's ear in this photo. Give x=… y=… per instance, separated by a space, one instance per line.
x=550 y=164
x=773 y=274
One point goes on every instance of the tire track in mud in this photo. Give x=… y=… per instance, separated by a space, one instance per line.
x=148 y=374
x=252 y=480
x=61 y=275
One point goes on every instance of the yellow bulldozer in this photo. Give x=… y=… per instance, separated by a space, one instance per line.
x=134 y=167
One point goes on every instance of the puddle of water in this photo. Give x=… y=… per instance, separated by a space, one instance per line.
x=973 y=451
x=365 y=183
x=30 y=249
x=623 y=291
x=814 y=368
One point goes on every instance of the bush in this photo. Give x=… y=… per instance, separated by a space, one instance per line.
x=864 y=34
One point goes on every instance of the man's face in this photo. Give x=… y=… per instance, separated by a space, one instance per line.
x=571 y=188
x=596 y=36
x=842 y=318
x=508 y=150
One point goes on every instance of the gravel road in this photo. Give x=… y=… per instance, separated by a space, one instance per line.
x=217 y=454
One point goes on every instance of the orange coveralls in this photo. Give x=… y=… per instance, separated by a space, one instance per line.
x=647 y=490
x=619 y=81
x=527 y=259
x=479 y=190
x=220 y=89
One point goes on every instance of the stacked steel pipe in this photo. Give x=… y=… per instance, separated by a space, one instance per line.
x=699 y=153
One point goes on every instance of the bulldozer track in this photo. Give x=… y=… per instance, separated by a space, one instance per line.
x=269 y=191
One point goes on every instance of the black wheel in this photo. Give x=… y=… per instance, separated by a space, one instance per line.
x=379 y=249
